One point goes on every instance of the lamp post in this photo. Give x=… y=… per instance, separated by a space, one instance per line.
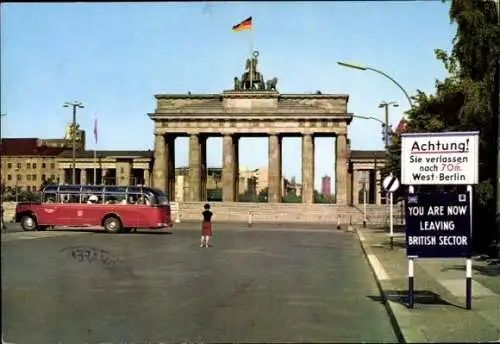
x=74 y=105
x=385 y=125
x=363 y=68
x=2 y=115
x=17 y=185
x=386 y=106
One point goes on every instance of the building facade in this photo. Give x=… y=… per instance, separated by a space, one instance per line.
x=326 y=186
x=27 y=162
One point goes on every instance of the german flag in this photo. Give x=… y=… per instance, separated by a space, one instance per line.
x=244 y=25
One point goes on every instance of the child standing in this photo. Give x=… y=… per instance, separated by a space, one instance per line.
x=206 y=227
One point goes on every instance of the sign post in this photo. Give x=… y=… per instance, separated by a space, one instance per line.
x=439 y=224
x=391 y=184
x=363 y=183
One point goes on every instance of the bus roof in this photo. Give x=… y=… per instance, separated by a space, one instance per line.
x=90 y=188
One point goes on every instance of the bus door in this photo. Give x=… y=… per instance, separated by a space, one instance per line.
x=49 y=209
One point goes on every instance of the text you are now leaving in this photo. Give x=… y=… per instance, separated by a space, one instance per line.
x=438 y=225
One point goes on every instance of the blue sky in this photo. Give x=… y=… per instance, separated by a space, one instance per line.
x=115 y=57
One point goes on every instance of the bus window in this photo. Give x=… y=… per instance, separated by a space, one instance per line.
x=111 y=189
x=50 y=188
x=134 y=190
x=133 y=198
x=69 y=197
x=70 y=188
x=92 y=189
x=160 y=197
x=86 y=198
x=115 y=198
x=49 y=197
x=144 y=199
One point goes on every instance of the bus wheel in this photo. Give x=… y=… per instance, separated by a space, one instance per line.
x=112 y=225
x=28 y=223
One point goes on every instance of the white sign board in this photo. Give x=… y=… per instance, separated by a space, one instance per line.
x=439 y=158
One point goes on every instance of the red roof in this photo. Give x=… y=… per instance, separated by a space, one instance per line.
x=401 y=127
x=27 y=146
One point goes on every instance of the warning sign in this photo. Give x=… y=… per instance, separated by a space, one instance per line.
x=438 y=225
x=439 y=158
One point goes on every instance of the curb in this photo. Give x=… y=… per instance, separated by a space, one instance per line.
x=394 y=321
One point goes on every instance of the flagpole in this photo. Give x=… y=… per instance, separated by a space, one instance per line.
x=251 y=57
x=95 y=151
x=95 y=166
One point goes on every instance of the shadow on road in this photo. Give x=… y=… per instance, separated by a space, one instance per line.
x=422 y=297
x=491 y=269
x=385 y=229
x=387 y=244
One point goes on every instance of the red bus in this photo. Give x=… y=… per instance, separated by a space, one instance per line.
x=116 y=208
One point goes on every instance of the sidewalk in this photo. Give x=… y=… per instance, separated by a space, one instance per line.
x=439 y=313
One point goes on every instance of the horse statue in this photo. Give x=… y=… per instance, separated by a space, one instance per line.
x=271 y=84
x=237 y=84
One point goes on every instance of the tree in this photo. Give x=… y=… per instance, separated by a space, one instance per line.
x=263 y=194
x=46 y=182
x=292 y=198
x=466 y=100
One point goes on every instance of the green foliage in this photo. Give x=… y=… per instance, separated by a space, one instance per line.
x=10 y=194
x=263 y=194
x=467 y=100
x=46 y=182
x=319 y=198
x=248 y=196
x=292 y=198
x=214 y=195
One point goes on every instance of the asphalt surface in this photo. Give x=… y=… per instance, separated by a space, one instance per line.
x=253 y=285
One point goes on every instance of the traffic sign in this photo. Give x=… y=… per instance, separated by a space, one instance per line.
x=390 y=183
x=438 y=225
x=440 y=158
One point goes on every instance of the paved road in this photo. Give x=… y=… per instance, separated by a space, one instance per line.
x=252 y=286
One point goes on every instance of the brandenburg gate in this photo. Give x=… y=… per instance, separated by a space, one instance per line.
x=253 y=107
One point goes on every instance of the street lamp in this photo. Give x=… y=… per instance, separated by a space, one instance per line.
x=363 y=68
x=386 y=106
x=74 y=105
x=2 y=115
x=385 y=125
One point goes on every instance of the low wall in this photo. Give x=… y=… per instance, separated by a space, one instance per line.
x=377 y=215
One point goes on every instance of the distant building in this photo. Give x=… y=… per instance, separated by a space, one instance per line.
x=326 y=186
x=27 y=162
x=401 y=127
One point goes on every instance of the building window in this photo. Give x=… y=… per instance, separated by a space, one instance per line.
x=9 y=177
x=28 y=165
x=28 y=177
x=34 y=165
x=34 y=188
x=52 y=176
x=9 y=165
x=28 y=188
x=122 y=170
x=52 y=166
x=33 y=177
x=44 y=177
x=43 y=165
x=19 y=177
x=19 y=165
